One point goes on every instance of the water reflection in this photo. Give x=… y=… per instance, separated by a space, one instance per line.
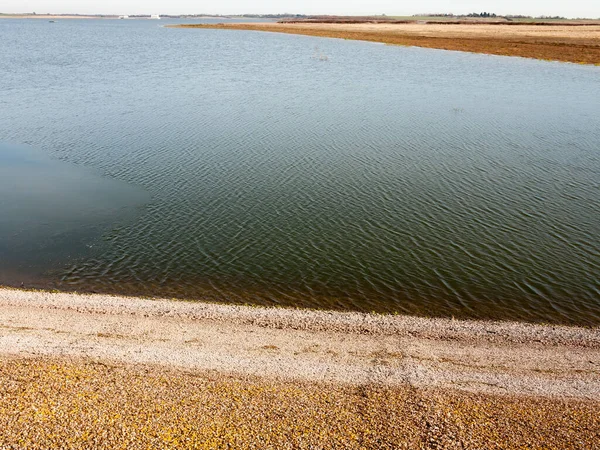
x=54 y=213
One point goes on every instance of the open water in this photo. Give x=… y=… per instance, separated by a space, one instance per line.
x=289 y=170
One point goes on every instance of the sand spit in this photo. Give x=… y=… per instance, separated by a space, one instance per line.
x=577 y=44
x=305 y=346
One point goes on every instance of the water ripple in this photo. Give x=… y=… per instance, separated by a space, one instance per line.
x=434 y=183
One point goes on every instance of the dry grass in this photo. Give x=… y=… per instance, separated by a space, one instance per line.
x=577 y=44
x=81 y=404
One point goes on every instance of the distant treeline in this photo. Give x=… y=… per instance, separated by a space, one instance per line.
x=487 y=15
x=352 y=19
x=273 y=16
x=345 y=19
x=483 y=14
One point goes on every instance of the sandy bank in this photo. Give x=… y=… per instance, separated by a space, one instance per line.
x=308 y=346
x=549 y=42
x=91 y=371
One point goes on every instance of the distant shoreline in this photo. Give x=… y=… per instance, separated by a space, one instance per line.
x=53 y=16
x=76 y=16
x=109 y=17
x=562 y=42
x=84 y=16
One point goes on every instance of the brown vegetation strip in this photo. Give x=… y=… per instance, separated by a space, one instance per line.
x=60 y=403
x=578 y=45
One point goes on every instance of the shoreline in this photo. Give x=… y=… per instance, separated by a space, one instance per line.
x=101 y=371
x=42 y=283
x=53 y=16
x=579 y=45
x=311 y=346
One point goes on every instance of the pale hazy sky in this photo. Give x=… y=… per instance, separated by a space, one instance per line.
x=571 y=8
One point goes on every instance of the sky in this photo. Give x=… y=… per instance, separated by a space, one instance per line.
x=571 y=8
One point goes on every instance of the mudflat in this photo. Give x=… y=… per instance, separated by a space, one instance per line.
x=568 y=43
x=100 y=369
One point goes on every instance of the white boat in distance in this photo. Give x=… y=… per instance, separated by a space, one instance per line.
x=155 y=17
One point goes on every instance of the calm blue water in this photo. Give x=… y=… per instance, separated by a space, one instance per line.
x=275 y=169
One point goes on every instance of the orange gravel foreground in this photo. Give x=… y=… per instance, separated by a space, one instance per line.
x=92 y=371
x=79 y=404
x=576 y=44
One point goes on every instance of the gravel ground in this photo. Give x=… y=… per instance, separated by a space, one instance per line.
x=92 y=371
x=64 y=403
